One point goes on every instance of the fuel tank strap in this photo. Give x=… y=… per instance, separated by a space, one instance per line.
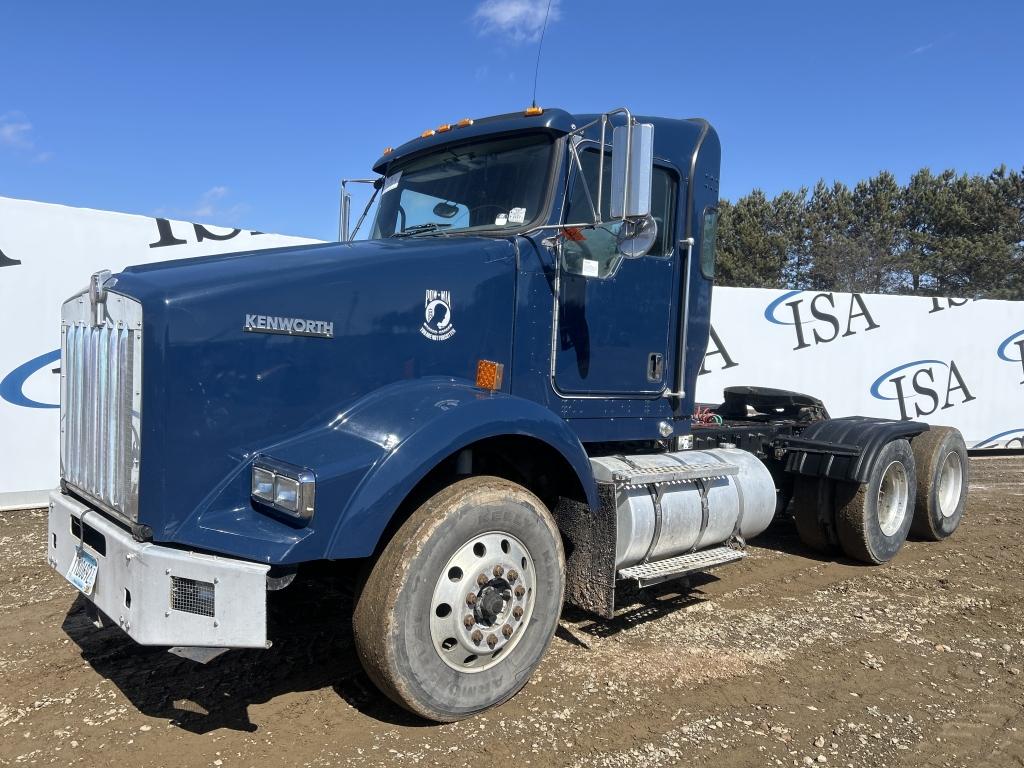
x=705 y=511
x=659 y=518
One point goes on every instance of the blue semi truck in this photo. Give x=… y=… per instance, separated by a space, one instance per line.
x=489 y=404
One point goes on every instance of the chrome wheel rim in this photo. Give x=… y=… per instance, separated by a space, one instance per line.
x=951 y=481
x=482 y=602
x=893 y=495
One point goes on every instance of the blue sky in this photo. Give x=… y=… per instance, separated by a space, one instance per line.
x=249 y=113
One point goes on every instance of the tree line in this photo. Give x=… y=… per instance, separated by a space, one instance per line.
x=939 y=235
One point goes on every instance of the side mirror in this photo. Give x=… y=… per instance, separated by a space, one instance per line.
x=636 y=237
x=632 y=171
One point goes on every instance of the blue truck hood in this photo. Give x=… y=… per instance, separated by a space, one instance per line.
x=215 y=394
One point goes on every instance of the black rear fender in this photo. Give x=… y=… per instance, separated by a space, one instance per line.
x=844 y=449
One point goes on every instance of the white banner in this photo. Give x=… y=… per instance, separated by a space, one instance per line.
x=943 y=361
x=47 y=253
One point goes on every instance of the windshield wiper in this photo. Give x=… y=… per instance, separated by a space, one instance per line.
x=417 y=229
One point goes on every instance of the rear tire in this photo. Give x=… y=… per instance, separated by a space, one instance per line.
x=942 y=477
x=874 y=518
x=423 y=639
x=814 y=513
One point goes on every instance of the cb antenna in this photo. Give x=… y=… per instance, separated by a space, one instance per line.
x=540 y=47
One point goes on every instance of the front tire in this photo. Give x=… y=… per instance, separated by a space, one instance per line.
x=873 y=518
x=463 y=602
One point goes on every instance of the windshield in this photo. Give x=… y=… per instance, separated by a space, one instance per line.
x=492 y=184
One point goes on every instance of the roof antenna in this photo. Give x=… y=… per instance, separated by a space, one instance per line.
x=540 y=47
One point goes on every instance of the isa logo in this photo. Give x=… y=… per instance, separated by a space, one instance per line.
x=925 y=386
x=716 y=349
x=12 y=386
x=819 y=319
x=1011 y=438
x=1011 y=349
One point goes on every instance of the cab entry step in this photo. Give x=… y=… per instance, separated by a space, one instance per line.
x=646 y=574
x=672 y=474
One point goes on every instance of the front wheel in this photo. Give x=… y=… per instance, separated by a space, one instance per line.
x=463 y=602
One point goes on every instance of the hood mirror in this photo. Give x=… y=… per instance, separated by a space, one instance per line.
x=445 y=210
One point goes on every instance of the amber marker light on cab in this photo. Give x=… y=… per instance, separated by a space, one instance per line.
x=534 y=110
x=489 y=375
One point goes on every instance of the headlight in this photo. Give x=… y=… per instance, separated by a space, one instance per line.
x=283 y=487
x=263 y=484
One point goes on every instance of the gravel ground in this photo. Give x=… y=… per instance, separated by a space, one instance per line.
x=782 y=659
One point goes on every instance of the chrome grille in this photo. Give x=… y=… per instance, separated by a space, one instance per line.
x=101 y=348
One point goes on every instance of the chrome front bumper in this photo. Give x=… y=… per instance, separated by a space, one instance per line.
x=159 y=595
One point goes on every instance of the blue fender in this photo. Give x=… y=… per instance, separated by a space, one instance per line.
x=367 y=459
x=420 y=423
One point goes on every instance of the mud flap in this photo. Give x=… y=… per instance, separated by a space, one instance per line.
x=590 y=552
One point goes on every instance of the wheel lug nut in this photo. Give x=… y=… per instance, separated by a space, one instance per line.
x=469 y=621
x=482 y=579
x=498 y=571
x=517 y=612
x=492 y=640
x=520 y=592
x=507 y=631
x=513 y=575
x=471 y=599
x=477 y=636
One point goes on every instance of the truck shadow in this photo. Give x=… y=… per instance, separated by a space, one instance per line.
x=311 y=652
x=633 y=607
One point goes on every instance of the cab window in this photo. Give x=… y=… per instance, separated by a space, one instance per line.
x=592 y=252
x=708 y=242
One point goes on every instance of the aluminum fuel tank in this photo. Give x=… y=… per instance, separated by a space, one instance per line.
x=661 y=519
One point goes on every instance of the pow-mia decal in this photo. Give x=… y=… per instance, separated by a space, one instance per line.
x=437 y=311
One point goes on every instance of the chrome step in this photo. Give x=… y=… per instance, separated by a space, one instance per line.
x=672 y=474
x=646 y=574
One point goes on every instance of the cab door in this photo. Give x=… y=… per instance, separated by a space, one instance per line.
x=614 y=314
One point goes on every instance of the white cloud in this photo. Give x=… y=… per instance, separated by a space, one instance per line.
x=928 y=46
x=208 y=201
x=519 y=20
x=16 y=133
x=212 y=207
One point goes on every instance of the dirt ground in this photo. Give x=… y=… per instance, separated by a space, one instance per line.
x=782 y=659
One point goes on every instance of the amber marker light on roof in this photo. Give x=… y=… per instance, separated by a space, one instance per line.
x=444 y=127
x=388 y=150
x=465 y=122
x=427 y=133
x=489 y=375
x=534 y=110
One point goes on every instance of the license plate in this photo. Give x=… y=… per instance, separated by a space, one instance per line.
x=82 y=572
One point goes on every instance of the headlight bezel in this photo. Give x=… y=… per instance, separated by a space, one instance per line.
x=283 y=487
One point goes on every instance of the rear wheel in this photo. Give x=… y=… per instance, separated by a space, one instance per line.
x=941 y=458
x=873 y=518
x=463 y=601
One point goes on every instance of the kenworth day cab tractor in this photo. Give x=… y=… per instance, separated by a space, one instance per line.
x=490 y=403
